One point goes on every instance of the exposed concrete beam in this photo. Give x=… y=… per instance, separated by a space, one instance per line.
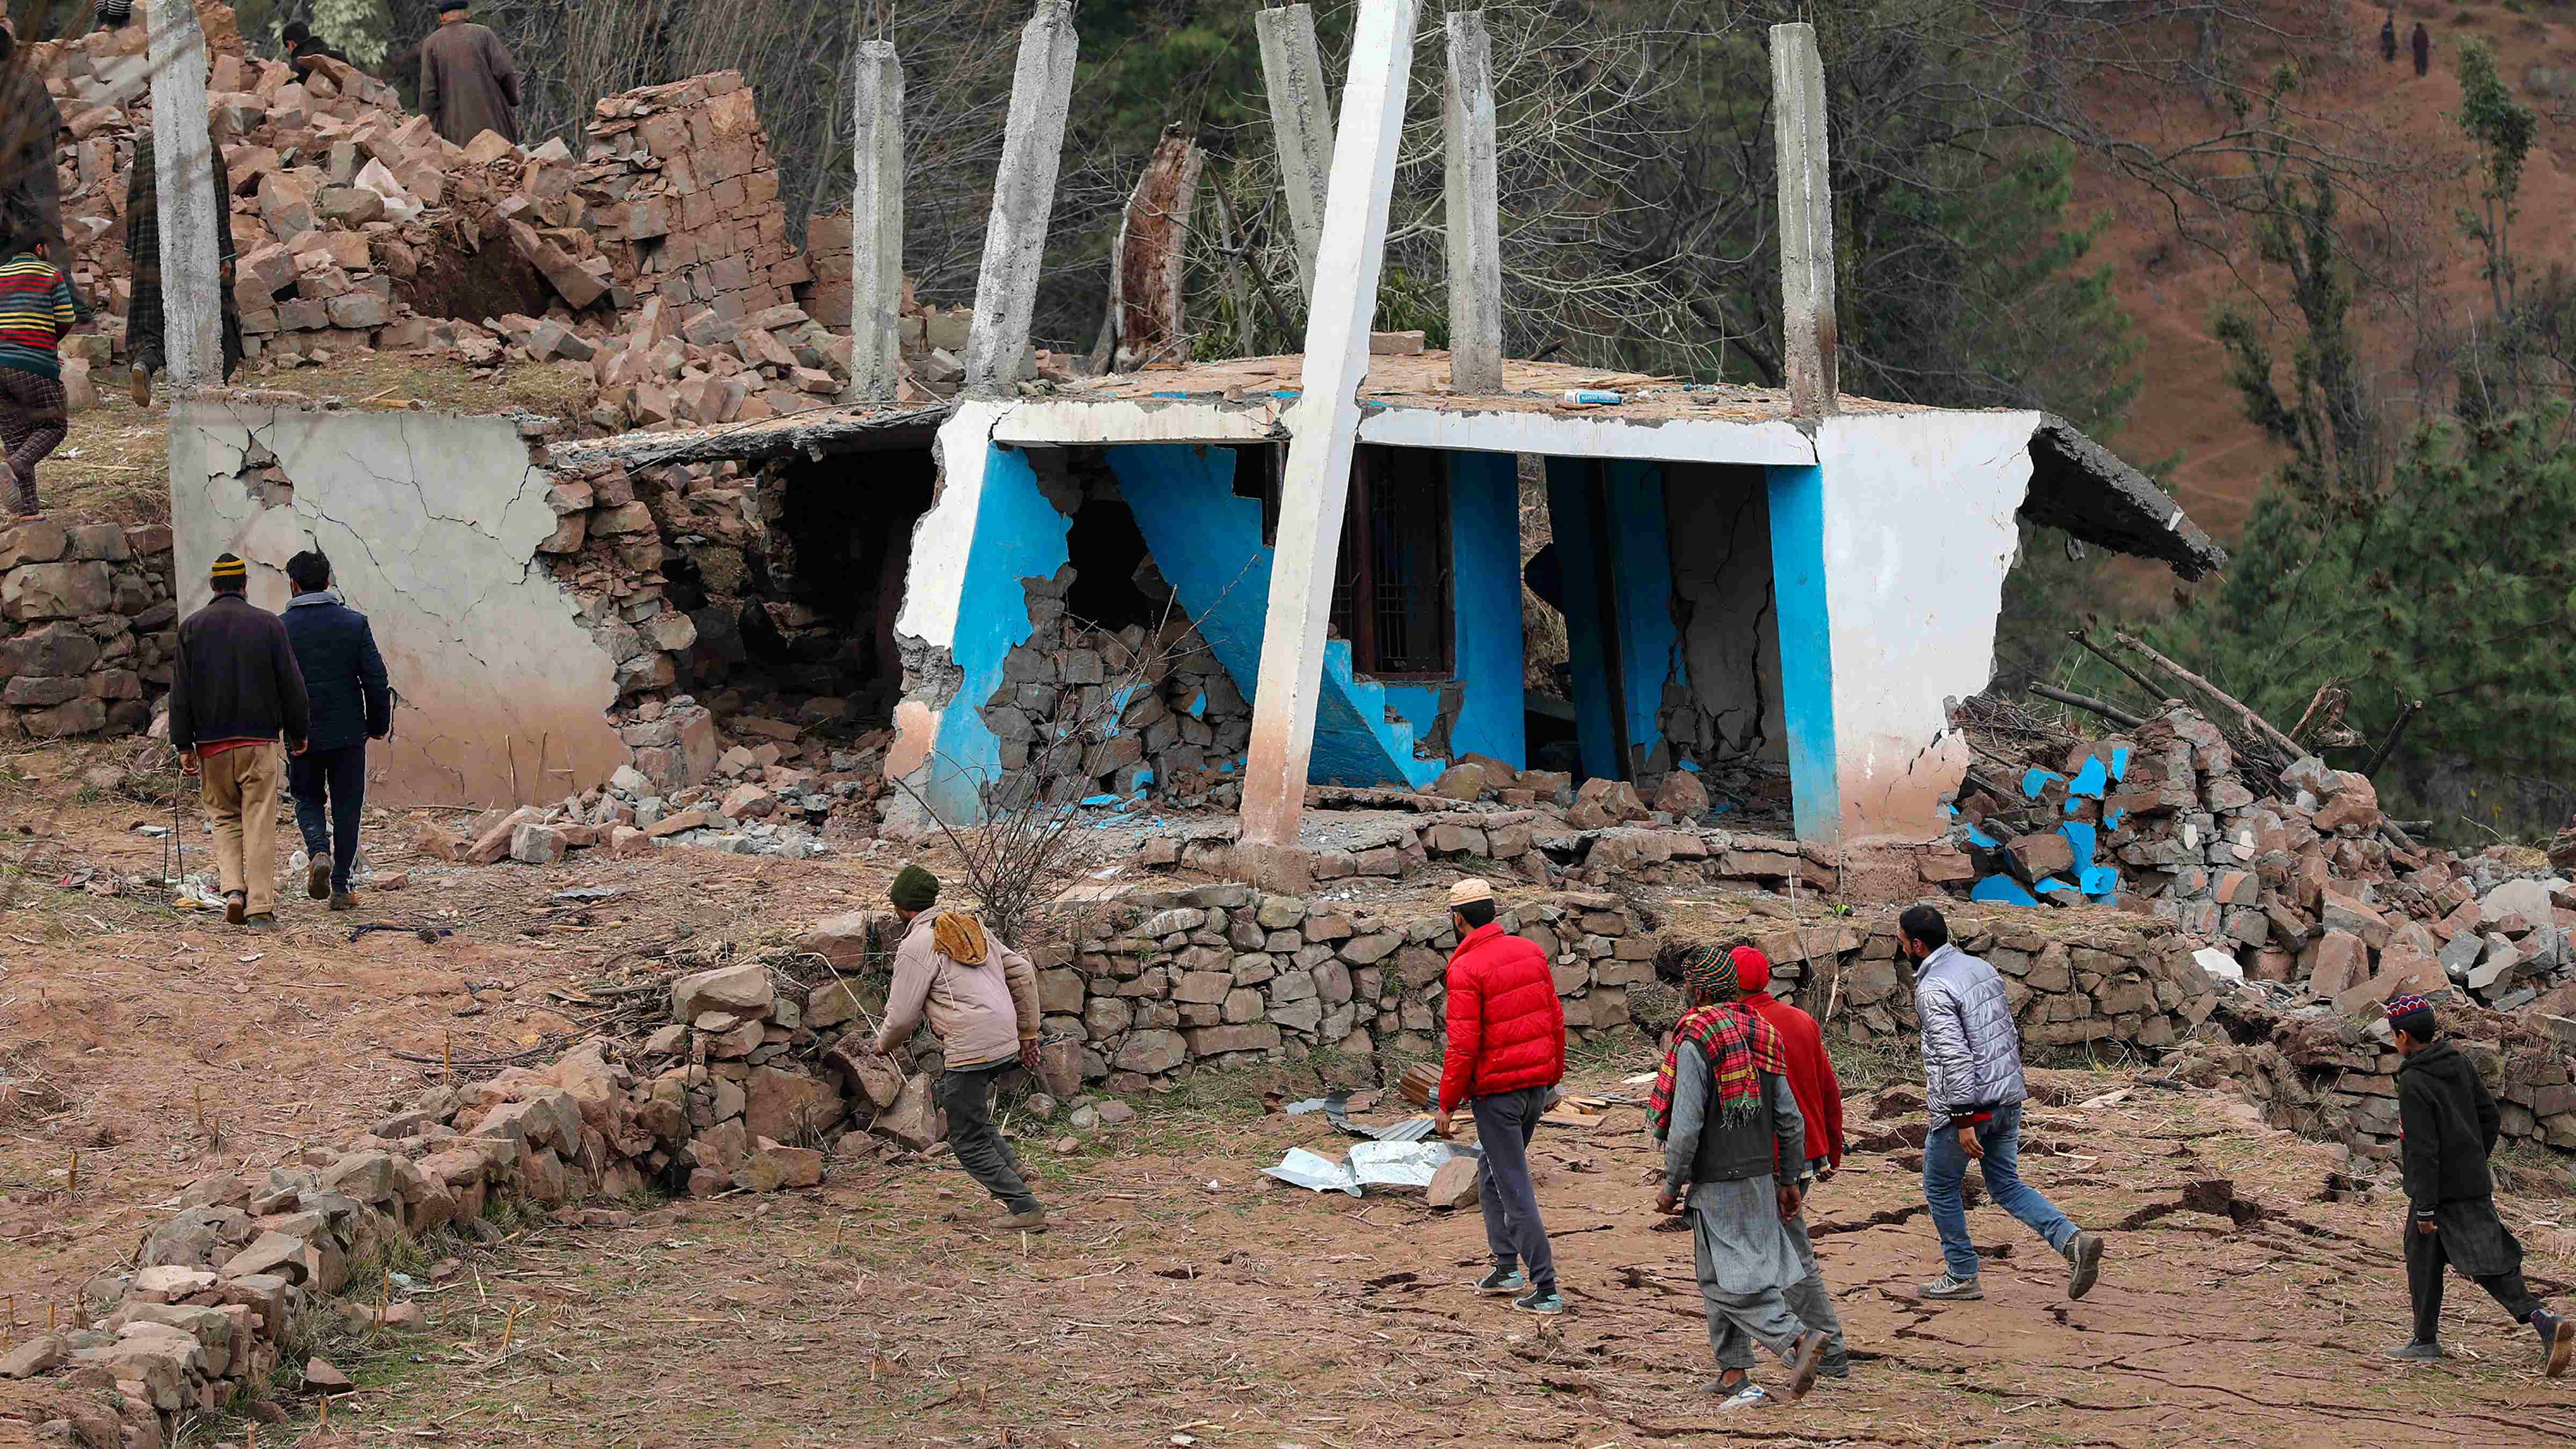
x=1324 y=425
x=1301 y=118
x=1006 y=290
x=192 y=283
x=1808 y=328
x=1475 y=216
x=876 y=224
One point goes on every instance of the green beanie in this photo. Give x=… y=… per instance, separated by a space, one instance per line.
x=914 y=888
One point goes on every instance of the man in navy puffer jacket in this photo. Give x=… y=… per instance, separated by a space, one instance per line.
x=352 y=704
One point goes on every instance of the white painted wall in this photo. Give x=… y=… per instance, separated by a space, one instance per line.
x=1918 y=535
x=431 y=523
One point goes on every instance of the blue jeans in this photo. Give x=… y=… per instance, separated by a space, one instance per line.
x=1945 y=1167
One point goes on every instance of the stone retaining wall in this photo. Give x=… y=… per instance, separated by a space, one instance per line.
x=87 y=628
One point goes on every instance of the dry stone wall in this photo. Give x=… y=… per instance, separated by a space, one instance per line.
x=87 y=628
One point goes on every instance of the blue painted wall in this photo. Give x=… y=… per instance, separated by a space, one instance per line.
x=1207 y=543
x=1806 y=648
x=1632 y=546
x=1018 y=534
x=1485 y=574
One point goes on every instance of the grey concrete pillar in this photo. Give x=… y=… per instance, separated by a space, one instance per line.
x=1475 y=216
x=1324 y=425
x=876 y=225
x=1808 y=337
x=1301 y=119
x=191 y=247
x=1006 y=290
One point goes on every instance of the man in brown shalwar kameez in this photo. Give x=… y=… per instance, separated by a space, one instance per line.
x=468 y=84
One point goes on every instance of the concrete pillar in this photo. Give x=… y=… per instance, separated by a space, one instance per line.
x=1006 y=290
x=1324 y=424
x=1475 y=217
x=191 y=247
x=1808 y=339
x=1301 y=119
x=876 y=225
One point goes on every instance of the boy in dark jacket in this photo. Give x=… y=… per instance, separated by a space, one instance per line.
x=1506 y=1048
x=351 y=704
x=234 y=689
x=1729 y=1121
x=2450 y=1124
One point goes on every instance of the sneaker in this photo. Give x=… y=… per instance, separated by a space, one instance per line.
x=2557 y=1341
x=2416 y=1353
x=1745 y=1395
x=1947 y=1289
x=343 y=901
x=317 y=880
x=1803 y=1361
x=2084 y=1263
x=139 y=385
x=1540 y=1300
x=1828 y=1369
x=236 y=908
x=1503 y=1283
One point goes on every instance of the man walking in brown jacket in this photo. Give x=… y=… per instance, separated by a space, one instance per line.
x=234 y=689
x=982 y=998
x=468 y=84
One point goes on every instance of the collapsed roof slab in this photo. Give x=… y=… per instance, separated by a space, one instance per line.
x=2080 y=486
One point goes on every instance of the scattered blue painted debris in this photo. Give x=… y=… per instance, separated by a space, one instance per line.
x=2100 y=882
x=2036 y=780
x=1198 y=705
x=2090 y=780
x=2081 y=836
x=2119 y=762
x=1978 y=837
x=2002 y=890
x=2054 y=887
x=1099 y=799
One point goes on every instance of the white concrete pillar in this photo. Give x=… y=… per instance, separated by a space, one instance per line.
x=1475 y=216
x=1808 y=329
x=191 y=247
x=876 y=225
x=1324 y=424
x=1301 y=120
x=1006 y=290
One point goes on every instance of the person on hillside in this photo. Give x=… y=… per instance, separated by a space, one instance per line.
x=2423 y=46
x=2450 y=1123
x=146 y=324
x=351 y=703
x=2388 y=39
x=234 y=691
x=303 y=47
x=1820 y=1105
x=468 y=84
x=1974 y=1090
x=35 y=312
x=1733 y=1139
x=982 y=999
x=1506 y=1049
x=115 y=14
x=30 y=187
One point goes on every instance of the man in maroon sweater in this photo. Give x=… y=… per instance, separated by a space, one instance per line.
x=1820 y=1102
x=1506 y=1048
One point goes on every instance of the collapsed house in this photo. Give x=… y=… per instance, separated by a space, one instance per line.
x=1128 y=588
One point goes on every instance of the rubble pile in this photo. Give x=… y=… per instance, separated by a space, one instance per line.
x=2305 y=886
x=1097 y=716
x=87 y=628
x=684 y=198
x=2335 y=1076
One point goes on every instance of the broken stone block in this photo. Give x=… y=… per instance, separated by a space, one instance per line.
x=1682 y=795
x=913 y=1120
x=1460 y=782
x=742 y=990
x=537 y=844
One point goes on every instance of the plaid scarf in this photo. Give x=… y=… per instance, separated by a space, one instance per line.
x=1739 y=1046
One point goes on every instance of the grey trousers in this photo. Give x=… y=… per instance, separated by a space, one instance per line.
x=1505 y=1122
x=1737 y=1321
x=966 y=1095
x=1808 y=1299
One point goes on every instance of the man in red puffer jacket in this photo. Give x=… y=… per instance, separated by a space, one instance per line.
x=1506 y=1049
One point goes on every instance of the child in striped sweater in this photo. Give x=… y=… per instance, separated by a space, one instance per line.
x=35 y=312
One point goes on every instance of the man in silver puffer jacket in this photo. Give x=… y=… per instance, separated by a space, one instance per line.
x=1973 y=1088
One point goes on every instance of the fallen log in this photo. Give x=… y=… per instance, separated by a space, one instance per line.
x=2243 y=711
x=2088 y=703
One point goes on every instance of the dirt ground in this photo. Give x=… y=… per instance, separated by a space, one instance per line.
x=1182 y=1298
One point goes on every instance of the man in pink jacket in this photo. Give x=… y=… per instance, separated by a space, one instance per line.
x=982 y=999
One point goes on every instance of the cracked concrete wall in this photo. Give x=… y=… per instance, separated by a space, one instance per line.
x=431 y=522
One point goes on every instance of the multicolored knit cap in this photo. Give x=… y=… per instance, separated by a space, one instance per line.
x=1711 y=970
x=2401 y=1007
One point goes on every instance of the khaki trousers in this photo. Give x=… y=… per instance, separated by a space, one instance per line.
x=241 y=786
